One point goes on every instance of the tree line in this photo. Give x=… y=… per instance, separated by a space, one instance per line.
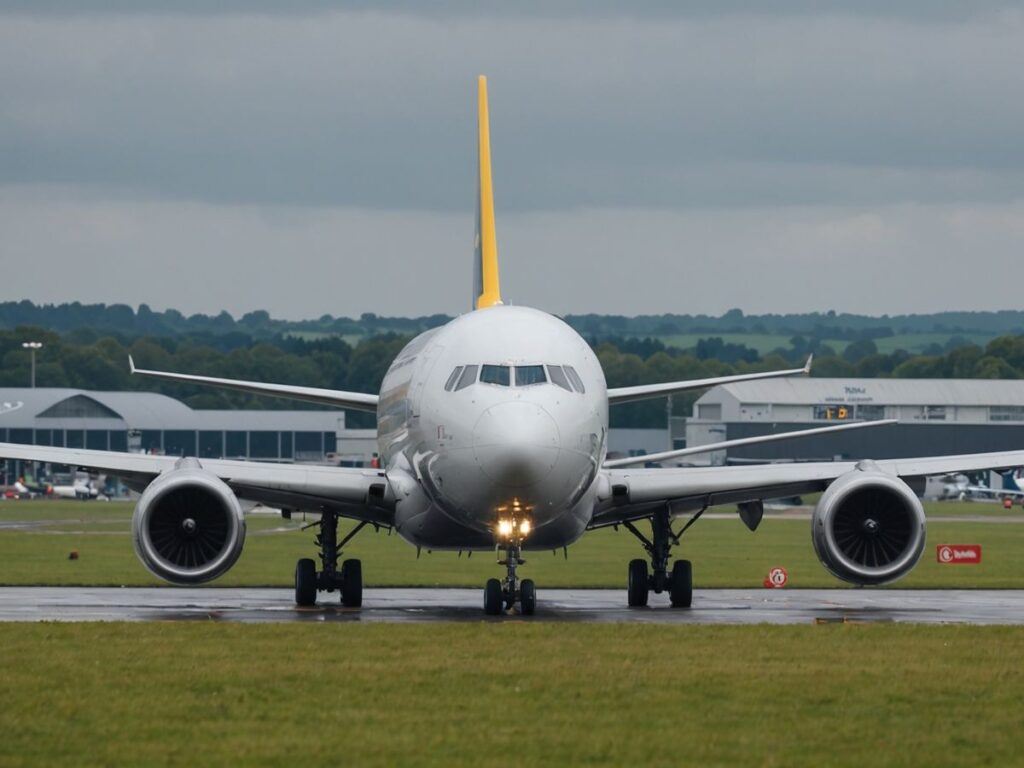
x=144 y=321
x=88 y=359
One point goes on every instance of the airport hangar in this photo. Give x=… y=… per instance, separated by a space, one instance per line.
x=155 y=423
x=937 y=417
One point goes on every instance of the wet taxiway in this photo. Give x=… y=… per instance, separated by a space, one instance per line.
x=710 y=606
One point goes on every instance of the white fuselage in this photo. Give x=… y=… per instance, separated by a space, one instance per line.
x=463 y=451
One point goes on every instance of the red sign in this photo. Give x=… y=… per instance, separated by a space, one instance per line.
x=958 y=554
x=777 y=578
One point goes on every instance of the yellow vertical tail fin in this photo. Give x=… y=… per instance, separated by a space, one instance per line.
x=486 y=288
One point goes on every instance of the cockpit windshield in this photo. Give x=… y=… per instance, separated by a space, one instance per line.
x=529 y=374
x=564 y=377
x=495 y=374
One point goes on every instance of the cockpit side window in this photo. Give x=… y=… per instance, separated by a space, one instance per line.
x=529 y=374
x=468 y=377
x=557 y=376
x=495 y=374
x=574 y=377
x=452 y=379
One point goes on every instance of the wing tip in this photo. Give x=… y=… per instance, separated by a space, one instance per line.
x=131 y=364
x=808 y=364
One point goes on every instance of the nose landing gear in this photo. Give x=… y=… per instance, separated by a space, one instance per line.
x=678 y=583
x=500 y=596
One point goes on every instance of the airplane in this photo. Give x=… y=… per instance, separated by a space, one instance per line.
x=493 y=436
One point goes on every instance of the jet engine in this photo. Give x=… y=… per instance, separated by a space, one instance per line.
x=868 y=527
x=188 y=526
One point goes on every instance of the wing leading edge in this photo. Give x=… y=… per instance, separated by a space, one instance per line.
x=618 y=395
x=356 y=401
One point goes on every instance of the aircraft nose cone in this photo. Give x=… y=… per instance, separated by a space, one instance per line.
x=516 y=444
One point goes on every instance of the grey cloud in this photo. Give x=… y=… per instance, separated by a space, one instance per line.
x=376 y=109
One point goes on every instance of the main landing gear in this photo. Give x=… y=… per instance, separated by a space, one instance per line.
x=348 y=580
x=678 y=583
x=500 y=596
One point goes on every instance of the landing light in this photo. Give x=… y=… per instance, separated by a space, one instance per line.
x=504 y=527
x=524 y=527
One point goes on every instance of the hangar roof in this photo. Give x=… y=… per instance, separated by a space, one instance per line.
x=59 y=407
x=804 y=391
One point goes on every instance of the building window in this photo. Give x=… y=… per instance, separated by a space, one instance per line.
x=236 y=444
x=870 y=412
x=78 y=407
x=678 y=443
x=180 y=442
x=709 y=411
x=935 y=413
x=211 y=444
x=1006 y=413
x=286 y=445
x=75 y=438
x=23 y=436
x=308 y=443
x=118 y=441
x=330 y=442
x=96 y=439
x=833 y=412
x=263 y=445
x=42 y=437
x=152 y=441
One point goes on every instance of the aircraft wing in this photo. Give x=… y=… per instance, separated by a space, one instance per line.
x=617 y=395
x=635 y=492
x=357 y=401
x=354 y=492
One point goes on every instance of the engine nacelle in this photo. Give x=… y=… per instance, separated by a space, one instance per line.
x=868 y=527
x=188 y=526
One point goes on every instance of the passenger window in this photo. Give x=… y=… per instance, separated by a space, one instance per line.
x=495 y=374
x=452 y=379
x=575 y=379
x=468 y=377
x=558 y=377
x=529 y=374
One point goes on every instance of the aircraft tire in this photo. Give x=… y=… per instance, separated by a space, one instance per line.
x=352 y=583
x=305 y=582
x=680 y=589
x=494 y=600
x=527 y=597
x=638 y=588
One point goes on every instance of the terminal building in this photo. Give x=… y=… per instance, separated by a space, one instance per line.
x=937 y=417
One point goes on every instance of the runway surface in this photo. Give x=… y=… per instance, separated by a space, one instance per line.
x=710 y=606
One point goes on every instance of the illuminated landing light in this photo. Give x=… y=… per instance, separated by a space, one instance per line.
x=505 y=528
x=524 y=528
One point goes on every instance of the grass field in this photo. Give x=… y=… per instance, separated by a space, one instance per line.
x=510 y=694
x=724 y=552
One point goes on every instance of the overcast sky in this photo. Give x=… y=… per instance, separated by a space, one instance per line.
x=686 y=158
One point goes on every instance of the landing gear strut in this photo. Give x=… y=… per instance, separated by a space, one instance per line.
x=348 y=580
x=678 y=583
x=499 y=596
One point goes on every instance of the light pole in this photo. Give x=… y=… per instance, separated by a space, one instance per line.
x=32 y=346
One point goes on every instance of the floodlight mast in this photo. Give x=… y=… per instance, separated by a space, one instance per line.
x=32 y=346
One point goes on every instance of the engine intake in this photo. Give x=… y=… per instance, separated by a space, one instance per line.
x=868 y=527
x=188 y=526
